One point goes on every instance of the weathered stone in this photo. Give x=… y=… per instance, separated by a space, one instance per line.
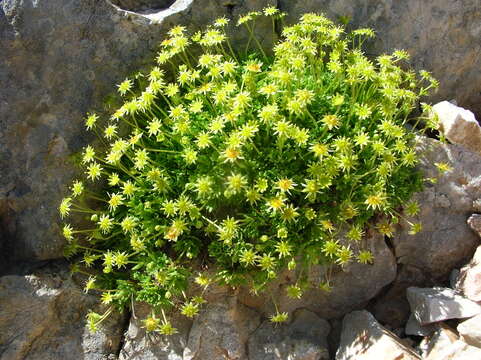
x=434 y=345
x=343 y=297
x=474 y=223
x=363 y=338
x=305 y=338
x=413 y=327
x=459 y=125
x=441 y=36
x=431 y=305
x=43 y=317
x=469 y=279
x=221 y=331
x=470 y=331
x=445 y=240
x=458 y=350
x=140 y=345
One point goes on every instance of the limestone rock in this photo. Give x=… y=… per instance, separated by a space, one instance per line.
x=469 y=279
x=305 y=338
x=140 y=345
x=470 y=331
x=445 y=240
x=431 y=305
x=474 y=223
x=43 y=317
x=459 y=125
x=458 y=350
x=363 y=338
x=433 y=346
x=221 y=331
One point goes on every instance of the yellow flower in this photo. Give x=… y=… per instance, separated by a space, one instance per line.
x=285 y=185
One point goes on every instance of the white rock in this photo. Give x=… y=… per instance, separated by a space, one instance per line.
x=431 y=305
x=470 y=331
x=459 y=125
x=436 y=344
x=469 y=279
x=458 y=350
x=363 y=338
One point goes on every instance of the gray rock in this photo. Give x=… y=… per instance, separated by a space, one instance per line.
x=42 y=316
x=470 y=331
x=442 y=36
x=474 y=223
x=433 y=346
x=459 y=125
x=445 y=240
x=469 y=279
x=431 y=305
x=363 y=338
x=305 y=338
x=221 y=331
x=413 y=327
x=140 y=345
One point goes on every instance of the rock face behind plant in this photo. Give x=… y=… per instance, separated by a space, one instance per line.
x=305 y=338
x=43 y=317
x=446 y=240
x=351 y=286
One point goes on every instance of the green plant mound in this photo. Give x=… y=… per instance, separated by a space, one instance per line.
x=247 y=162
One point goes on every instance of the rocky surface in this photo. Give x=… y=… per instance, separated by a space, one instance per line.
x=445 y=207
x=470 y=331
x=363 y=338
x=42 y=316
x=459 y=125
x=469 y=279
x=305 y=338
x=431 y=305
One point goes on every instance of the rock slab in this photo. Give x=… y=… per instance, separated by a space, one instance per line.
x=363 y=338
x=470 y=331
x=430 y=305
x=42 y=316
x=459 y=125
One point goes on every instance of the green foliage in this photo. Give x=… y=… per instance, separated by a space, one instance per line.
x=244 y=161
